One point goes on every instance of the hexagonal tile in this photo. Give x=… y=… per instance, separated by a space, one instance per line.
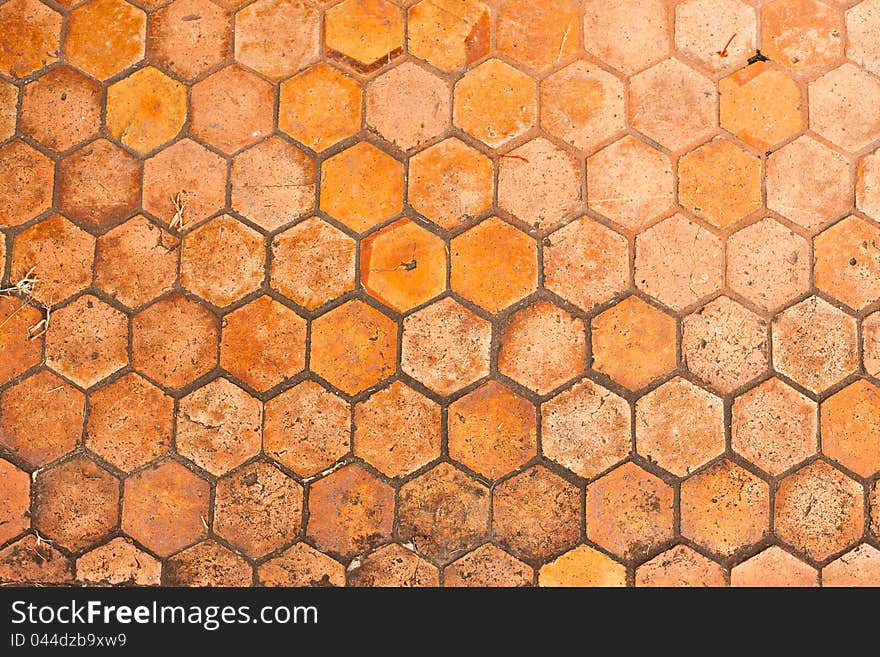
x=15 y=501
x=630 y=182
x=445 y=346
x=633 y=343
x=819 y=510
x=105 y=37
x=222 y=260
x=8 y=109
x=874 y=503
x=679 y=426
x=19 y=351
x=30 y=37
x=130 y=422
x=301 y=565
x=847 y=262
x=696 y=272
x=175 y=357
x=231 y=109
x=495 y=103
x=60 y=254
x=307 y=428
x=487 y=566
x=768 y=263
x=76 y=503
x=353 y=346
x=394 y=566
x=871 y=344
x=98 y=184
x=365 y=33
x=773 y=567
x=185 y=179
x=680 y=566
x=720 y=34
x=61 y=108
x=397 y=430
x=673 y=104
x=219 y=427
x=320 y=106
x=862 y=31
x=537 y=35
x=117 y=563
x=542 y=347
x=26 y=178
x=629 y=35
x=18 y=565
x=443 y=512
x=278 y=37
x=351 y=511
x=189 y=36
x=760 y=105
x=450 y=34
x=403 y=265
x=207 y=564
x=815 y=344
x=868 y=185
x=165 y=507
x=583 y=566
x=719 y=182
x=808 y=182
x=312 y=263
x=361 y=186
x=851 y=427
x=803 y=35
x=844 y=107
x=258 y=509
x=858 y=567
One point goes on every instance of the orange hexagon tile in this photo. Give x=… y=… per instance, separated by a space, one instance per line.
x=188 y=37
x=858 y=567
x=488 y=565
x=207 y=564
x=450 y=34
x=18 y=565
x=538 y=36
x=861 y=31
x=868 y=185
x=850 y=428
x=774 y=567
x=15 y=501
x=118 y=563
x=394 y=566
x=26 y=178
x=31 y=37
x=301 y=565
x=629 y=35
x=9 y=95
x=61 y=108
x=277 y=37
x=20 y=347
x=802 y=35
x=364 y=33
x=871 y=344
x=847 y=262
x=105 y=36
x=843 y=107
x=581 y=567
x=718 y=34
x=680 y=566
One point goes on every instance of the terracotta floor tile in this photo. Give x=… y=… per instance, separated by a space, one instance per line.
x=868 y=185
x=188 y=37
x=538 y=35
x=301 y=565
x=207 y=564
x=803 y=35
x=487 y=566
x=18 y=565
x=858 y=567
x=850 y=427
x=680 y=566
x=18 y=351
x=277 y=37
x=582 y=566
x=629 y=35
x=774 y=567
x=449 y=34
x=364 y=32
x=118 y=563
x=862 y=30
x=26 y=178
x=847 y=262
x=15 y=501
x=61 y=108
x=703 y=27
x=30 y=37
x=843 y=107
x=871 y=342
x=105 y=37
x=9 y=96
x=394 y=565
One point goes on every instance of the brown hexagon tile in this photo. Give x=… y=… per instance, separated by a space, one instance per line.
x=819 y=510
x=219 y=427
x=539 y=183
x=679 y=426
x=136 y=262
x=361 y=186
x=586 y=429
x=629 y=35
x=207 y=564
x=258 y=509
x=633 y=343
x=365 y=33
x=815 y=344
x=301 y=565
x=696 y=272
x=307 y=428
x=231 y=108
x=320 y=106
x=847 y=262
x=487 y=566
x=189 y=36
x=725 y=344
x=87 y=341
x=351 y=511
x=851 y=427
x=861 y=32
x=871 y=344
x=403 y=265
x=445 y=346
x=443 y=512
x=537 y=35
x=542 y=347
x=30 y=37
x=703 y=30
x=495 y=103
x=673 y=104
x=98 y=184
x=774 y=426
x=803 y=35
x=808 y=183
x=583 y=566
x=774 y=567
x=492 y=430
x=165 y=507
x=272 y=183
x=278 y=37
x=15 y=501
x=26 y=178
x=61 y=108
x=118 y=563
x=450 y=34
x=768 y=263
x=76 y=503
x=222 y=260
x=105 y=37
x=493 y=264
x=630 y=182
x=60 y=255
x=312 y=263
x=33 y=561
x=761 y=105
x=9 y=96
x=263 y=343
x=680 y=566
x=844 y=107
x=18 y=350
x=394 y=566
x=397 y=430
x=858 y=567
x=868 y=185
x=130 y=422
x=584 y=262
x=175 y=357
